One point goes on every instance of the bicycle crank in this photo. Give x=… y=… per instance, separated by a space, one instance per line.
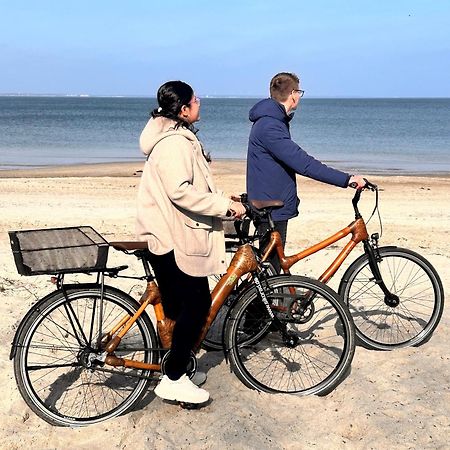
x=191 y=368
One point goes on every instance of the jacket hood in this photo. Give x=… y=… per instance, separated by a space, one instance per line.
x=158 y=129
x=268 y=108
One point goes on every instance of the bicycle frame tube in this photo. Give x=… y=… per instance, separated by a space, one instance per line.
x=150 y=296
x=244 y=261
x=357 y=229
x=165 y=327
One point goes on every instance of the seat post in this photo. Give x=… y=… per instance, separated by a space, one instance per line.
x=142 y=255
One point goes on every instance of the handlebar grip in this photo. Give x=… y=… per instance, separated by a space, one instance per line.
x=368 y=185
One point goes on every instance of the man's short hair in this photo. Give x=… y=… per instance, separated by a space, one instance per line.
x=282 y=84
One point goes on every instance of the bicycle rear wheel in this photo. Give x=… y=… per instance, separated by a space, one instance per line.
x=305 y=353
x=55 y=366
x=381 y=325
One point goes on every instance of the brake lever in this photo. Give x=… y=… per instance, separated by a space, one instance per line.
x=370 y=186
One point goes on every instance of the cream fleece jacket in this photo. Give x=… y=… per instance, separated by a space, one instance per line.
x=179 y=207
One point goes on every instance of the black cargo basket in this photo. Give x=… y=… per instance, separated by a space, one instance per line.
x=59 y=250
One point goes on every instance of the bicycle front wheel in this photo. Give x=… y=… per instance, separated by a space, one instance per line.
x=55 y=365
x=383 y=325
x=306 y=352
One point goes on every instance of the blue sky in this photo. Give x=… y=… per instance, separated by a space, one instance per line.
x=339 y=48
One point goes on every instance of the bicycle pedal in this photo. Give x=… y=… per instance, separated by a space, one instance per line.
x=187 y=405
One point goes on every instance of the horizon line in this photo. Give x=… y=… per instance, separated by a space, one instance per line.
x=212 y=96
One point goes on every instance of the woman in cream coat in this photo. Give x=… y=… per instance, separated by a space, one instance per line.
x=179 y=212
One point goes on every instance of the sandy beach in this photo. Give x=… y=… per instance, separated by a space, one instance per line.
x=398 y=399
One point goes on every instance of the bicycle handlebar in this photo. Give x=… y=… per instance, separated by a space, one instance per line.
x=368 y=186
x=254 y=214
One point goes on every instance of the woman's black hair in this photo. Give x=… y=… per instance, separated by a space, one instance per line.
x=172 y=96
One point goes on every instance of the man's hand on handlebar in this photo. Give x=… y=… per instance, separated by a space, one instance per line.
x=357 y=182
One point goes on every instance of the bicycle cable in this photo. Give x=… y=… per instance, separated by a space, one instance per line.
x=377 y=210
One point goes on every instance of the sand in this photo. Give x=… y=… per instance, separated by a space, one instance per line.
x=398 y=399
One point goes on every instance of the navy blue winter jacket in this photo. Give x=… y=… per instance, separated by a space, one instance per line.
x=274 y=158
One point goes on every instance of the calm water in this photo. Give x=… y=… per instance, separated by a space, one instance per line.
x=372 y=135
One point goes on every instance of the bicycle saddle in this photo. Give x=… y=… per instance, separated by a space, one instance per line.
x=263 y=204
x=129 y=245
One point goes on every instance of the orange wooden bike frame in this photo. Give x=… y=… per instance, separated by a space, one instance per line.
x=243 y=262
x=357 y=229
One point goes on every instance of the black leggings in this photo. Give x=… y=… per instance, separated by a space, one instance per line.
x=187 y=300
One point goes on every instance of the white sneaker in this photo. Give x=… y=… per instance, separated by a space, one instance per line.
x=181 y=390
x=198 y=378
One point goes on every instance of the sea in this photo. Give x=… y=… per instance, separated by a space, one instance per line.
x=388 y=136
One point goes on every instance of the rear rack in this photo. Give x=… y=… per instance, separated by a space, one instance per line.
x=59 y=250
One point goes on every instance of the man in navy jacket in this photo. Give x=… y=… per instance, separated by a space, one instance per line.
x=274 y=159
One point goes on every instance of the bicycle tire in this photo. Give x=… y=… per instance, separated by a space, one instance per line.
x=50 y=361
x=213 y=340
x=413 y=279
x=317 y=353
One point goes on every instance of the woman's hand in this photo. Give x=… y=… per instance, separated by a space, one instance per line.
x=237 y=209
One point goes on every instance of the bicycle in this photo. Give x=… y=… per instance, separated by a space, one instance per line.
x=89 y=352
x=395 y=295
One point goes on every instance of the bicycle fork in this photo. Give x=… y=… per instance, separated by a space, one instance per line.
x=289 y=339
x=371 y=250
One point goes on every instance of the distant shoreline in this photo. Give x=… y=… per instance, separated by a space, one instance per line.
x=352 y=135
x=218 y=97
x=132 y=169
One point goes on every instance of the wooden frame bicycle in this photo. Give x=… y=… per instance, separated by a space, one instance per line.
x=394 y=294
x=71 y=350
